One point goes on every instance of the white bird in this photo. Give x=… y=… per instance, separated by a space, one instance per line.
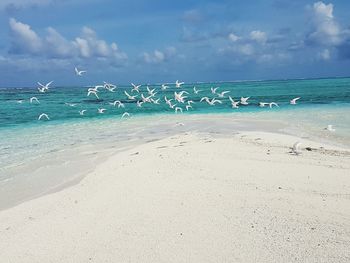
x=32 y=99
x=244 y=100
x=263 y=104
x=178 y=84
x=101 y=110
x=234 y=103
x=179 y=124
x=151 y=92
x=44 y=87
x=273 y=104
x=172 y=106
x=118 y=103
x=164 y=87
x=294 y=101
x=204 y=98
x=93 y=92
x=81 y=112
x=129 y=96
x=110 y=87
x=125 y=114
x=179 y=96
x=188 y=107
x=167 y=101
x=146 y=99
x=139 y=103
x=42 y=90
x=190 y=102
x=20 y=101
x=155 y=101
x=295 y=148
x=196 y=91
x=79 y=72
x=330 y=128
x=213 y=90
x=177 y=109
x=222 y=94
x=42 y=115
x=213 y=101
x=95 y=88
x=135 y=88
x=71 y=104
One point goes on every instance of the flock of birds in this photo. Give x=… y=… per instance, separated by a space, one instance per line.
x=178 y=102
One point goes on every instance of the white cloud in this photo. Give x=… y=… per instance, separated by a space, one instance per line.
x=24 y=39
x=326 y=31
x=258 y=36
x=58 y=45
x=54 y=45
x=233 y=37
x=158 y=56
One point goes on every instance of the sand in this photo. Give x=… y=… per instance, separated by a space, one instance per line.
x=193 y=198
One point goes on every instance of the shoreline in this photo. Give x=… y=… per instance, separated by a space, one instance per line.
x=95 y=154
x=193 y=197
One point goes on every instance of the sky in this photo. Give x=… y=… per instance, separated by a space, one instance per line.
x=156 y=41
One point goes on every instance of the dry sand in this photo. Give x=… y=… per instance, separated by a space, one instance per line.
x=193 y=198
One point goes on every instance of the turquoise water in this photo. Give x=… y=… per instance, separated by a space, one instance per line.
x=39 y=156
x=313 y=93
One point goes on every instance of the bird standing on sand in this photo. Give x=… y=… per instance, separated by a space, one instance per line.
x=330 y=128
x=295 y=148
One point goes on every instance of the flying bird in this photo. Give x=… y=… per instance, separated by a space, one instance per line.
x=222 y=94
x=196 y=91
x=129 y=96
x=178 y=84
x=79 y=72
x=135 y=88
x=177 y=109
x=213 y=90
x=93 y=92
x=244 y=100
x=125 y=114
x=294 y=101
x=32 y=99
x=164 y=87
x=43 y=115
x=234 y=103
x=44 y=87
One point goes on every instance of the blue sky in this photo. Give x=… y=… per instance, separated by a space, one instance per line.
x=161 y=41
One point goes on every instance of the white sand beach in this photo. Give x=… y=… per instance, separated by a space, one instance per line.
x=193 y=197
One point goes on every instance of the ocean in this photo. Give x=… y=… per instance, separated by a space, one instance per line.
x=37 y=157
